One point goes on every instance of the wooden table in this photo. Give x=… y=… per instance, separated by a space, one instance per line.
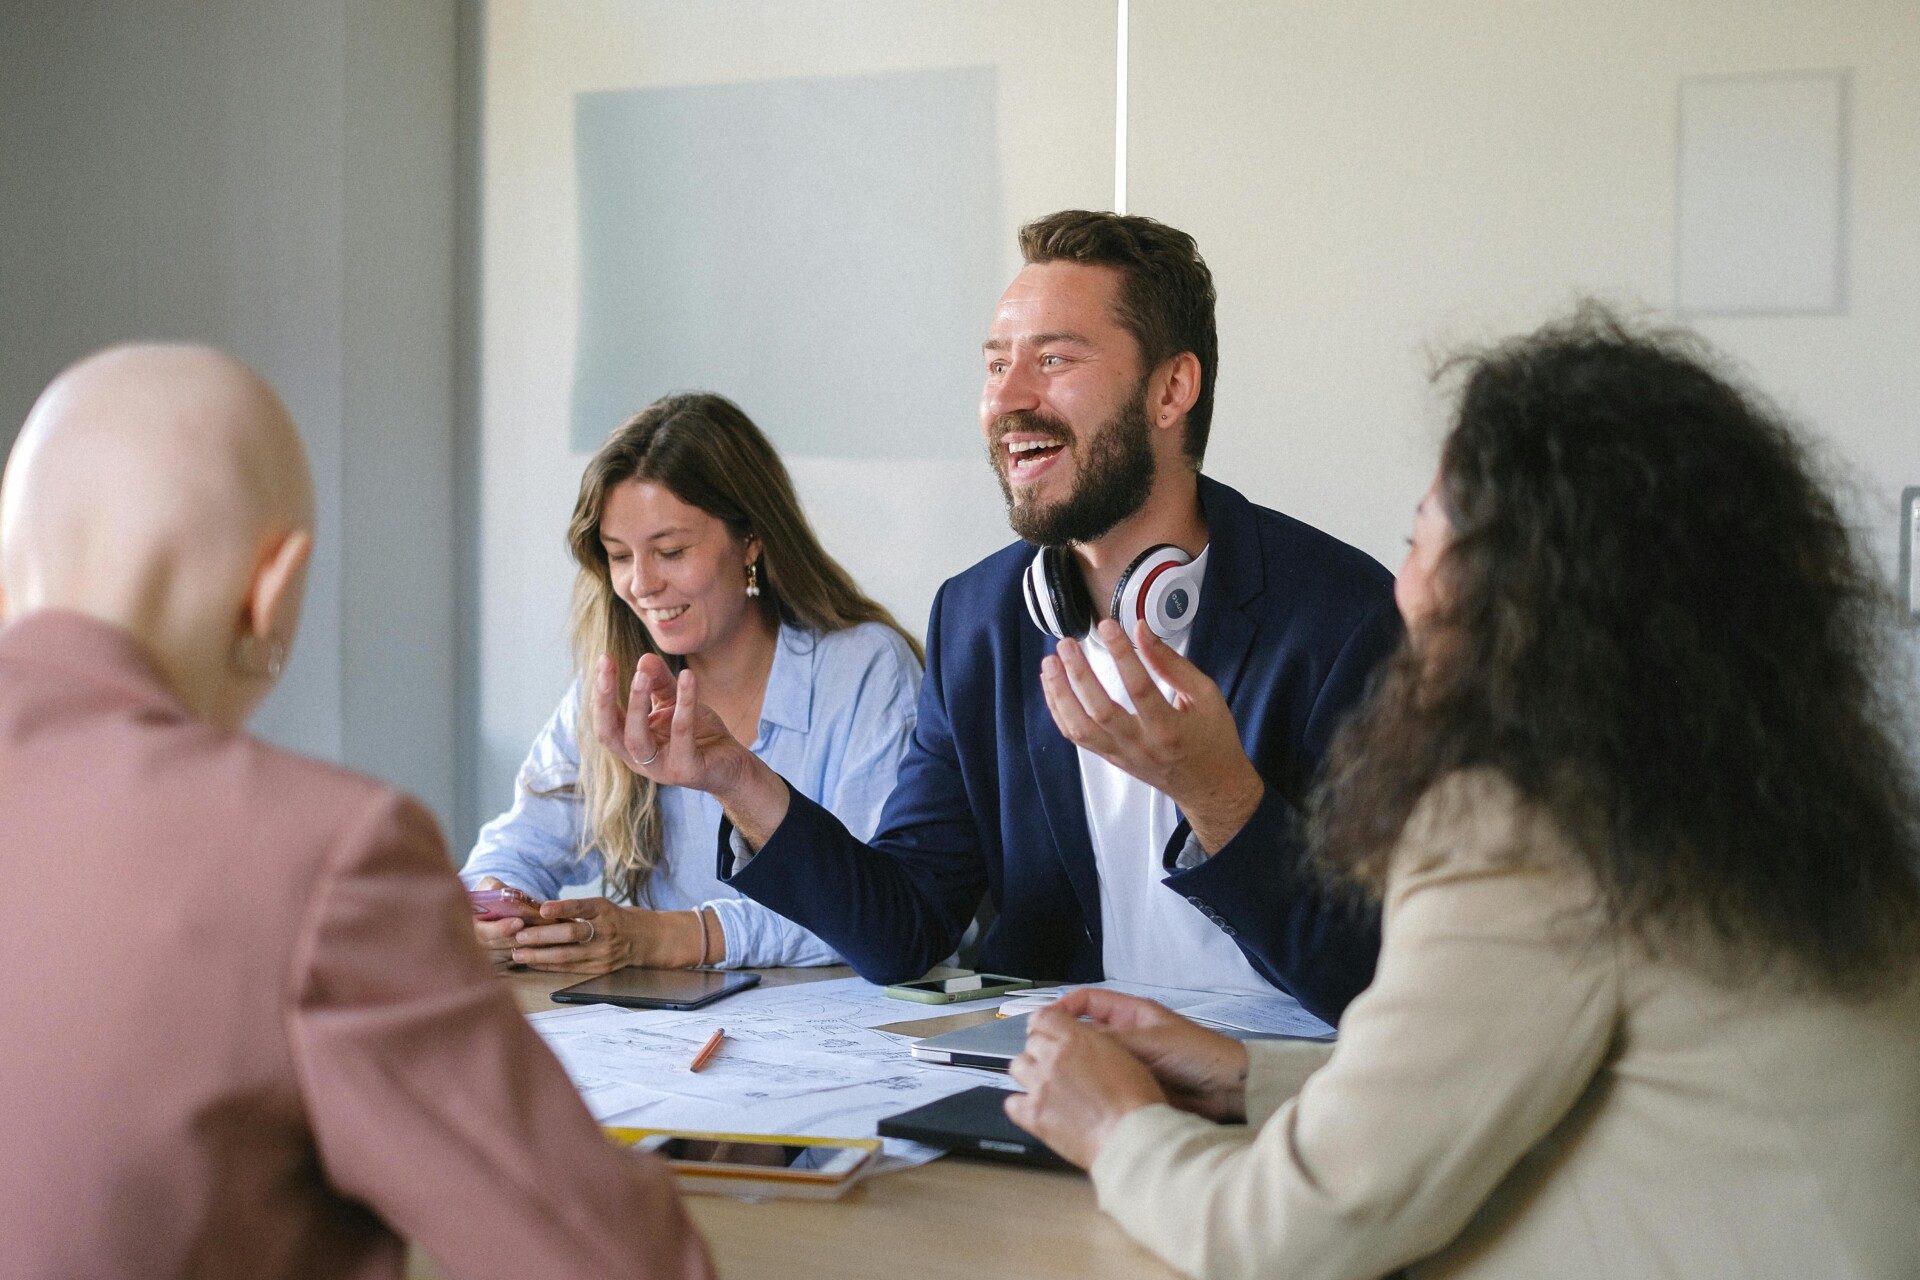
x=949 y=1220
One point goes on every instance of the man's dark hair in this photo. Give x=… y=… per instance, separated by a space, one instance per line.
x=1166 y=292
x=1651 y=619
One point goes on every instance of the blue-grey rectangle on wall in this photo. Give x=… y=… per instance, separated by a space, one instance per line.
x=823 y=251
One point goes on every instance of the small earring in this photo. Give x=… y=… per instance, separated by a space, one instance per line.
x=247 y=659
x=753 y=580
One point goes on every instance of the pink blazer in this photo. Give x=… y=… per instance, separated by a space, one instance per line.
x=248 y=1032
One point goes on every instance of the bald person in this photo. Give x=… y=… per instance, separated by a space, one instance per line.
x=248 y=1032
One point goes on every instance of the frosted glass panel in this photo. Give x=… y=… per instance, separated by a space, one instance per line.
x=824 y=251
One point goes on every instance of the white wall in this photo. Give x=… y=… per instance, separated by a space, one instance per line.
x=1371 y=184
x=275 y=178
x=899 y=524
x=1375 y=183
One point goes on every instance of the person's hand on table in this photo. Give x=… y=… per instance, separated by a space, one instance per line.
x=680 y=741
x=1200 y=1070
x=1080 y=1081
x=1187 y=748
x=496 y=936
x=593 y=936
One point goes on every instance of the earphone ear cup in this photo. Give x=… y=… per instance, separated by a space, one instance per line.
x=1039 y=600
x=1170 y=600
x=1049 y=603
x=1057 y=599
x=1158 y=588
x=1068 y=590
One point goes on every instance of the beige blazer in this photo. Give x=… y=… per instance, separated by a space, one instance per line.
x=247 y=1030
x=1522 y=1094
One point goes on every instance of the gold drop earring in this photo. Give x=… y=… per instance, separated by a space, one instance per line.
x=753 y=580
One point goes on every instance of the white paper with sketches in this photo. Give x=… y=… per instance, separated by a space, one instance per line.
x=1277 y=1014
x=807 y=1058
x=799 y=1059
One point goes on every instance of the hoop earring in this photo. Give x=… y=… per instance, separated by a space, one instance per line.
x=247 y=658
x=753 y=580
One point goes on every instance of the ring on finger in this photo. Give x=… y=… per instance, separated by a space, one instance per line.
x=650 y=759
x=591 y=931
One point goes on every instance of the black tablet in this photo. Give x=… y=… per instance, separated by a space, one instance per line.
x=638 y=988
x=973 y=1123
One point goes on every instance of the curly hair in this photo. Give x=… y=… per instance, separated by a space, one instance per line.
x=1651 y=618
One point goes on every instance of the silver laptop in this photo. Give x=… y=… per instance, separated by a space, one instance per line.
x=992 y=1045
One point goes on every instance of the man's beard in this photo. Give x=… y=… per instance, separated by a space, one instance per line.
x=1113 y=476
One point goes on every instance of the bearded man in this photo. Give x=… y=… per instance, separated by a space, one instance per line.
x=1125 y=791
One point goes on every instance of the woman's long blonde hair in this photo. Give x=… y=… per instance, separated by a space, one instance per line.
x=711 y=456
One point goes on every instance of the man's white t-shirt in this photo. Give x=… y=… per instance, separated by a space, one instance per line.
x=1149 y=933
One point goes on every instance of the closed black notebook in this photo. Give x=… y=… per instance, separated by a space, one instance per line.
x=973 y=1123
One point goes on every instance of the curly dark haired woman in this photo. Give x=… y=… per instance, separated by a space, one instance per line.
x=1643 y=816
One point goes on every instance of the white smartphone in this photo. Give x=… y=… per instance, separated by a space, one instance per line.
x=971 y=986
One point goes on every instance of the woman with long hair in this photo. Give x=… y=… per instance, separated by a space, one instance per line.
x=691 y=546
x=1639 y=799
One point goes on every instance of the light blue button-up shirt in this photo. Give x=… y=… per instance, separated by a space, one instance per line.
x=837 y=716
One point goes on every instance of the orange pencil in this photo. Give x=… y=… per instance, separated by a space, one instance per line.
x=707 y=1050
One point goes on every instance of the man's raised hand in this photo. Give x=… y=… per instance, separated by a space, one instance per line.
x=1186 y=746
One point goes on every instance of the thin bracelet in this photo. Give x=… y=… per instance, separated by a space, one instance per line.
x=700 y=917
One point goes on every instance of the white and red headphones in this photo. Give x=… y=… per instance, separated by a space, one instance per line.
x=1159 y=588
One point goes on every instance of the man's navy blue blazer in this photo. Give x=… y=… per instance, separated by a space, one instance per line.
x=1290 y=625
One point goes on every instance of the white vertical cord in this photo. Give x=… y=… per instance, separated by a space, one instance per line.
x=1120 y=116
